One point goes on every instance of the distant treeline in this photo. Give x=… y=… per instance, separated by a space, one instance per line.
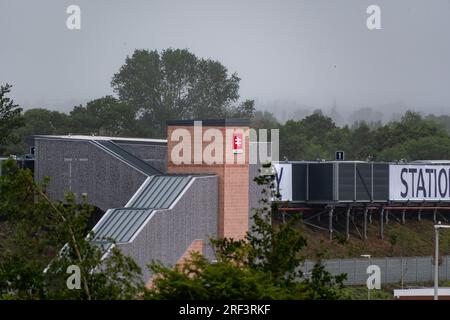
x=152 y=87
x=413 y=137
x=316 y=136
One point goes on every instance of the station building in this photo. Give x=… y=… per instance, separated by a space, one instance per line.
x=158 y=208
x=155 y=208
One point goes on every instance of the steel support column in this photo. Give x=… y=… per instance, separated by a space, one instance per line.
x=330 y=222
x=403 y=216
x=347 y=222
x=387 y=216
x=381 y=223
x=365 y=223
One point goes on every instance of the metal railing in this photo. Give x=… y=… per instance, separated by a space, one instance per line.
x=402 y=270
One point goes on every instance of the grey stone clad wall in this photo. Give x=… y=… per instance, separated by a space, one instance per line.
x=170 y=232
x=81 y=167
x=254 y=191
x=154 y=154
x=256 y=161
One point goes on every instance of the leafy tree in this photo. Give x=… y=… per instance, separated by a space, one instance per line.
x=104 y=116
x=198 y=279
x=175 y=84
x=36 y=230
x=245 y=110
x=43 y=121
x=272 y=250
x=317 y=126
x=264 y=120
x=424 y=148
x=361 y=142
x=39 y=121
x=293 y=142
x=442 y=120
x=412 y=137
x=266 y=265
x=10 y=118
x=411 y=126
x=340 y=139
x=307 y=139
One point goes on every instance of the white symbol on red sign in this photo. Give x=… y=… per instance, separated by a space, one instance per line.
x=237 y=143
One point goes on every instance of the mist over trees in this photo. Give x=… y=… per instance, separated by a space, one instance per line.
x=413 y=137
x=153 y=87
x=316 y=136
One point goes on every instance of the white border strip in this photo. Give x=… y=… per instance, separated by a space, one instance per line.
x=100 y=146
x=138 y=191
x=182 y=193
x=107 y=213
x=155 y=211
x=108 y=252
x=87 y=137
x=138 y=231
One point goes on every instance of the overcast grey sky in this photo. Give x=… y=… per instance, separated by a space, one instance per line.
x=307 y=52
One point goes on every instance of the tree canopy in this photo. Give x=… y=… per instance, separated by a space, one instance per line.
x=413 y=137
x=41 y=238
x=154 y=86
x=104 y=116
x=10 y=119
x=175 y=84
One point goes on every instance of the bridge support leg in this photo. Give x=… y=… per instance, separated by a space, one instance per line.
x=330 y=222
x=347 y=222
x=403 y=216
x=365 y=223
x=387 y=216
x=381 y=223
x=419 y=215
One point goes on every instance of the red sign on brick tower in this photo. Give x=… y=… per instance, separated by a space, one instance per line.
x=237 y=143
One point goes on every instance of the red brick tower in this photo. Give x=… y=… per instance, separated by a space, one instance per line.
x=221 y=147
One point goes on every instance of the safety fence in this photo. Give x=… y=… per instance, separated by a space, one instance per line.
x=393 y=269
